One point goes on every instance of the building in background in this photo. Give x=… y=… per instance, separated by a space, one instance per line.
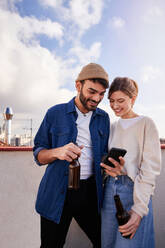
x=162 y=140
x=14 y=131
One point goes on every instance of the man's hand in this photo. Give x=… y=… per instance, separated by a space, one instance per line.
x=131 y=226
x=114 y=171
x=68 y=152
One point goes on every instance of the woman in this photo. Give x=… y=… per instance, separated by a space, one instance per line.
x=139 y=136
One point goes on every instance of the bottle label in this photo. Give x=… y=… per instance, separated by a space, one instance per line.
x=74 y=177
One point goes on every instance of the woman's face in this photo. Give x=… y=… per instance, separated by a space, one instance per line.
x=122 y=104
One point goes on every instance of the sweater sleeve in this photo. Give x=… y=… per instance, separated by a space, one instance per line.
x=112 y=129
x=150 y=167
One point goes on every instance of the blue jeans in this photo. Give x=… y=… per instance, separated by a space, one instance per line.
x=111 y=237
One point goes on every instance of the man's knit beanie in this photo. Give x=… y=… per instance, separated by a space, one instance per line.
x=92 y=71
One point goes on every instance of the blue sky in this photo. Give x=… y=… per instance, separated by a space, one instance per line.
x=44 y=44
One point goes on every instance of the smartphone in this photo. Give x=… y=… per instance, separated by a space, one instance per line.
x=114 y=153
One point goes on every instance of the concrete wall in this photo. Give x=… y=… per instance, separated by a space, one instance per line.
x=20 y=227
x=159 y=206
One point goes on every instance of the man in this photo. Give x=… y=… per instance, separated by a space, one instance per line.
x=71 y=130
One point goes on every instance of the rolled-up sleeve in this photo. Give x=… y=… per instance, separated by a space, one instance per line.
x=144 y=183
x=42 y=139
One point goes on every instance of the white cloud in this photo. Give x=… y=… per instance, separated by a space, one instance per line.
x=150 y=73
x=31 y=76
x=52 y=3
x=117 y=22
x=80 y=13
x=151 y=95
x=154 y=14
x=8 y=4
x=26 y=28
x=87 y=55
x=33 y=26
x=86 y=13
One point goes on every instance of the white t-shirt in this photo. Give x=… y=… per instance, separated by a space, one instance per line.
x=84 y=138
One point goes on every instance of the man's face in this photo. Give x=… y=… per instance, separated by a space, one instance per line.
x=90 y=95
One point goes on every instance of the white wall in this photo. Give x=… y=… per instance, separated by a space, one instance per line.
x=19 y=223
x=159 y=206
x=20 y=227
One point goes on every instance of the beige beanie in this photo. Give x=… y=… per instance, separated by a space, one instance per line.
x=92 y=71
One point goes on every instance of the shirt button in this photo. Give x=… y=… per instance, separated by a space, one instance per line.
x=62 y=190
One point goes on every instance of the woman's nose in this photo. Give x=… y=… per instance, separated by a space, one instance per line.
x=115 y=105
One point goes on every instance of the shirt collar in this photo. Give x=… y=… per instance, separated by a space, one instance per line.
x=71 y=108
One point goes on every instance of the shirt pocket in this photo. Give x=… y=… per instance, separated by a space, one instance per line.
x=102 y=138
x=60 y=135
x=101 y=133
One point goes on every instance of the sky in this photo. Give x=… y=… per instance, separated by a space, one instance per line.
x=45 y=43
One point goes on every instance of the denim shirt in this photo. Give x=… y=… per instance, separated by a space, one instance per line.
x=57 y=129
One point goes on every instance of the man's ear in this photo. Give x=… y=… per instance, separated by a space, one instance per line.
x=78 y=86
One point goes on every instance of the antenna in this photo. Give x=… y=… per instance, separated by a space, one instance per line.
x=8 y=115
x=31 y=131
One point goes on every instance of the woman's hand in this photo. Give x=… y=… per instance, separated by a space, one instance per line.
x=131 y=226
x=117 y=171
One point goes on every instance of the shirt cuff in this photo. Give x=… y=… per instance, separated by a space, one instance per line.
x=140 y=210
x=35 y=153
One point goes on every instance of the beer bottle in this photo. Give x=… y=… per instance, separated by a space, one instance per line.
x=74 y=175
x=122 y=215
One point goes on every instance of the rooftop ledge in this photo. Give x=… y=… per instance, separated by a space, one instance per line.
x=29 y=148
x=15 y=148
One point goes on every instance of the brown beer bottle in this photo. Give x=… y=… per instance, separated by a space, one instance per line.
x=74 y=175
x=122 y=215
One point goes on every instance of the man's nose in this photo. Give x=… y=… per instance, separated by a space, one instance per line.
x=96 y=98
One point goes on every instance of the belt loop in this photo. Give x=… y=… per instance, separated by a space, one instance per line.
x=123 y=179
x=115 y=180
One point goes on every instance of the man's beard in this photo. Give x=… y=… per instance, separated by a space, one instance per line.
x=85 y=100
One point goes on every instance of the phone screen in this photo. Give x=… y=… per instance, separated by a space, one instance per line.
x=114 y=153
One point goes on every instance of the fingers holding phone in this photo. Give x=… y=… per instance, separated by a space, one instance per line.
x=113 y=163
x=117 y=171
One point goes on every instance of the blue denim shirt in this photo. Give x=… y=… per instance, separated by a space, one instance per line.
x=58 y=129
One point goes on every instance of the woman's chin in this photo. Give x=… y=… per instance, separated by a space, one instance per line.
x=118 y=114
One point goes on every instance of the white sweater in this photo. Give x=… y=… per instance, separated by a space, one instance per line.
x=143 y=158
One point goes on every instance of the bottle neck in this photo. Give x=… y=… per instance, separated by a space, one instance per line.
x=75 y=162
x=118 y=203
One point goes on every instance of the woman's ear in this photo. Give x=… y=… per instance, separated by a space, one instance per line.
x=133 y=100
